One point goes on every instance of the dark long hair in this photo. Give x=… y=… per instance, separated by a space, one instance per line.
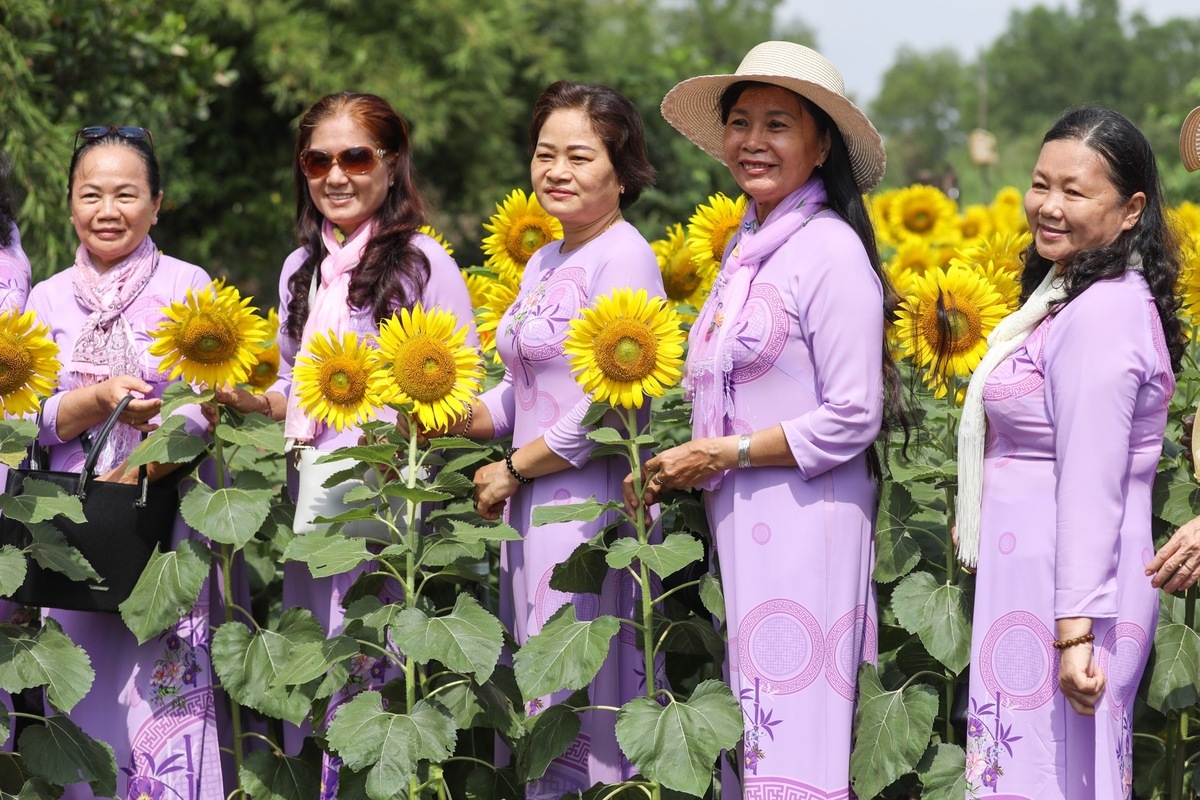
x=844 y=197
x=1131 y=167
x=7 y=215
x=393 y=272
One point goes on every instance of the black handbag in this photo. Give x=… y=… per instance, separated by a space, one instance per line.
x=125 y=522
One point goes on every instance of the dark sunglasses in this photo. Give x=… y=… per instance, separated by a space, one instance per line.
x=353 y=161
x=124 y=131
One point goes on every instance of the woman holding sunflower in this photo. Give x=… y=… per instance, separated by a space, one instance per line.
x=154 y=703
x=361 y=258
x=788 y=374
x=1061 y=433
x=589 y=165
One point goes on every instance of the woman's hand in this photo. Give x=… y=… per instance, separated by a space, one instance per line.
x=494 y=484
x=1080 y=678
x=682 y=467
x=1176 y=565
x=139 y=412
x=239 y=400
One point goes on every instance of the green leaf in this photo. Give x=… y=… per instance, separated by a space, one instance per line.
x=266 y=775
x=255 y=431
x=587 y=511
x=61 y=753
x=607 y=436
x=438 y=550
x=41 y=501
x=677 y=744
x=565 y=654
x=914 y=472
x=414 y=494
x=374 y=454
x=595 y=413
x=936 y=612
x=1176 y=496
x=172 y=443
x=499 y=532
x=892 y=731
x=50 y=549
x=943 y=773
x=712 y=595
x=391 y=745
x=249 y=664
x=311 y=660
x=585 y=570
x=230 y=515
x=453 y=482
x=180 y=394
x=467 y=640
x=166 y=590
x=550 y=734
x=676 y=552
x=896 y=552
x=15 y=436
x=48 y=658
x=690 y=635
x=326 y=552
x=1176 y=668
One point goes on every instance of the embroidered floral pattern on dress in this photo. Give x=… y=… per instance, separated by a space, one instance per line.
x=145 y=776
x=987 y=742
x=365 y=670
x=176 y=670
x=759 y=727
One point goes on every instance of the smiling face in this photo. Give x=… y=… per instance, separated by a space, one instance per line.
x=772 y=145
x=112 y=206
x=348 y=200
x=572 y=174
x=1072 y=204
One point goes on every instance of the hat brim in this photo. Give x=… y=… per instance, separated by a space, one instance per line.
x=692 y=107
x=1189 y=141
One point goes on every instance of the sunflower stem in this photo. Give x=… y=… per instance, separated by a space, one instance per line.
x=226 y=554
x=949 y=444
x=410 y=580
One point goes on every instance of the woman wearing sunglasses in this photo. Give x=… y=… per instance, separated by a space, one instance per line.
x=154 y=702
x=361 y=258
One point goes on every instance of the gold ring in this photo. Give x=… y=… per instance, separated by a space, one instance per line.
x=657 y=481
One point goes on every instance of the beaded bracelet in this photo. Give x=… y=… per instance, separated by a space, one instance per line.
x=513 y=470
x=1063 y=644
x=470 y=418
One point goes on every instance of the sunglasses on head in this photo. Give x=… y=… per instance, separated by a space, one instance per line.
x=124 y=131
x=353 y=161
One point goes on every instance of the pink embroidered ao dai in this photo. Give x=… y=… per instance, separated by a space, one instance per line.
x=154 y=703
x=795 y=545
x=538 y=397
x=1076 y=417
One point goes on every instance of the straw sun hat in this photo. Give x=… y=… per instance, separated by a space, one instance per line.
x=692 y=106
x=1189 y=141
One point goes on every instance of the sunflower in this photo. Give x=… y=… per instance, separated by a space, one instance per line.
x=429 y=365
x=28 y=362
x=998 y=258
x=922 y=212
x=1184 y=220
x=213 y=337
x=1188 y=288
x=685 y=280
x=477 y=287
x=339 y=380
x=877 y=209
x=499 y=297
x=944 y=322
x=518 y=228
x=429 y=230
x=626 y=345
x=263 y=374
x=1008 y=211
x=914 y=257
x=974 y=222
x=712 y=225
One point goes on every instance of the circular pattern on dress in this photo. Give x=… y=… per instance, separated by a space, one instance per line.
x=1007 y=543
x=548 y=601
x=545 y=328
x=850 y=637
x=761 y=533
x=781 y=643
x=1001 y=450
x=546 y=408
x=1147 y=556
x=1121 y=658
x=762 y=332
x=1016 y=661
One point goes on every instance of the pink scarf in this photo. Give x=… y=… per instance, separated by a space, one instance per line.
x=710 y=351
x=105 y=346
x=328 y=311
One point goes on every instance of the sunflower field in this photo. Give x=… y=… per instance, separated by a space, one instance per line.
x=462 y=691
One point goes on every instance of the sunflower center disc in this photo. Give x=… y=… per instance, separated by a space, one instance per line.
x=343 y=383
x=207 y=341
x=626 y=351
x=16 y=366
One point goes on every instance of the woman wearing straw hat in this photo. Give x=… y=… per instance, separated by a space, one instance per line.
x=797 y=312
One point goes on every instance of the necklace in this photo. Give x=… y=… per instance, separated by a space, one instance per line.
x=595 y=235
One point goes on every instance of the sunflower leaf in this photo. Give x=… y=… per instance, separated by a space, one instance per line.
x=167 y=589
x=916 y=472
x=585 y=570
x=550 y=734
x=389 y=744
x=13 y=567
x=587 y=511
x=172 y=443
x=254 y=431
x=375 y=454
x=896 y=552
x=499 y=532
x=595 y=413
x=41 y=501
x=415 y=494
x=48 y=658
x=51 y=551
x=249 y=664
x=712 y=595
x=936 y=612
x=891 y=731
x=327 y=553
x=1176 y=668
x=266 y=775
x=468 y=640
x=438 y=551
x=675 y=552
x=678 y=743
x=61 y=753
x=311 y=660
x=607 y=436
x=564 y=654
x=942 y=771
x=15 y=437
x=180 y=394
x=230 y=515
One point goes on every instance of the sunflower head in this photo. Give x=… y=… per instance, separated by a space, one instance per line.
x=1189 y=276
x=497 y=299
x=263 y=374
x=922 y=212
x=430 y=231
x=626 y=346
x=1008 y=211
x=944 y=321
x=28 y=362
x=517 y=230
x=974 y=222
x=429 y=365
x=213 y=337
x=997 y=257
x=685 y=279
x=339 y=380
x=712 y=226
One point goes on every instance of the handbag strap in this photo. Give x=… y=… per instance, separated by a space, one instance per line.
x=92 y=449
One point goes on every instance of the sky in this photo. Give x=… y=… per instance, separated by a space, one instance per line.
x=861 y=37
